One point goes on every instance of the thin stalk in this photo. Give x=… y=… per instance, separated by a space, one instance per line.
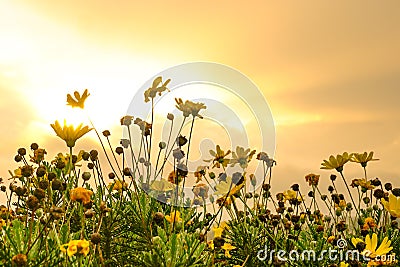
x=351 y=197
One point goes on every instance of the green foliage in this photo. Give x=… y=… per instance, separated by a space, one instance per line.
x=67 y=212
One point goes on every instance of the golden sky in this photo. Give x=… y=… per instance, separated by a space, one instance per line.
x=330 y=71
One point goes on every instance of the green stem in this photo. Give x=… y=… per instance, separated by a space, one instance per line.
x=351 y=197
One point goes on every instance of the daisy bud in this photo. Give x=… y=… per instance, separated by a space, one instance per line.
x=162 y=145
x=388 y=186
x=56 y=184
x=26 y=171
x=39 y=193
x=376 y=182
x=181 y=140
x=74 y=159
x=60 y=164
x=119 y=150
x=85 y=156
x=19 y=260
x=158 y=217
x=295 y=187
x=178 y=154
x=86 y=176
x=378 y=193
x=93 y=154
x=34 y=146
x=95 y=238
x=125 y=143
x=32 y=202
x=396 y=192
x=22 y=151
x=43 y=184
x=170 y=116
x=17 y=158
x=127 y=171
x=51 y=176
x=126 y=120
x=41 y=171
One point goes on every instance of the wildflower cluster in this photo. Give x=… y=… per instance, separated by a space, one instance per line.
x=66 y=210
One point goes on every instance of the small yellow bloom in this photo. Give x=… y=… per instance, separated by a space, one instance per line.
x=219 y=157
x=363 y=158
x=337 y=162
x=365 y=185
x=68 y=133
x=79 y=100
x=156 y=88
x=189 y=107
x=331 y=239
x=80 y=194
x=291 y=194
x=227 y=187
x=17 y=173
x=118 y=185
x=76 y=246
x=242 y=157
x=218 y=231
x=162 y=185
x=175 y=216
x=392 y=206
x=341 y=205
x=224 y=225
x=228 y=247
x=343 y=264
x=210 y=244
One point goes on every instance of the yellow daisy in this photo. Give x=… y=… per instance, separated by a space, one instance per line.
x=68 y=133
x=79 y=100
x=392 y=206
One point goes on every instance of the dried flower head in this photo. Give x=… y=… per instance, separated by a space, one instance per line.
x=312 y=179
